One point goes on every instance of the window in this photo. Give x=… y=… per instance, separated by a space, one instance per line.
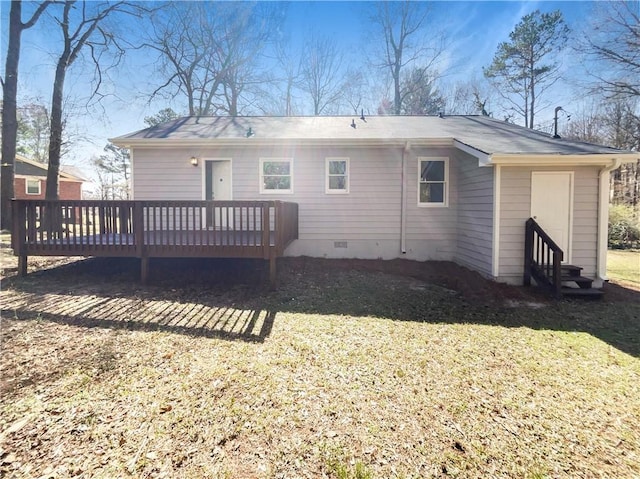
x=276 y=175
x=32 y=186
x=433 y=176
x=337 y=175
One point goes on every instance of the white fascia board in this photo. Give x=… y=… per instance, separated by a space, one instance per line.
x=253 y=142
x=597 y=159
x=484 y=159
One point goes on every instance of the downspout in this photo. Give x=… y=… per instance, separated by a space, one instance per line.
x=403 y=200
x=603 y=219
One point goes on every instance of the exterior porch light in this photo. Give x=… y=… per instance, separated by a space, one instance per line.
x=193 y=161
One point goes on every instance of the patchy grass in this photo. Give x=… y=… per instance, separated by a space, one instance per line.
x=339 y=373
x=623 y=266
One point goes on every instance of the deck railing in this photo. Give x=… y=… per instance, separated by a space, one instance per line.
x=255 y=229
x=542 y=258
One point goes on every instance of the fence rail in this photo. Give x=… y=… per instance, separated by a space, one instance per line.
x=241 y=229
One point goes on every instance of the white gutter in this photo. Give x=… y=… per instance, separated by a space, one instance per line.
x=403 y=200
x=603 y=219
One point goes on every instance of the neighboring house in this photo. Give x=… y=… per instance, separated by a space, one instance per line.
x=456 y=188
x=30 y=181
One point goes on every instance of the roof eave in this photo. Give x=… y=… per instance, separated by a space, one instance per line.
x=555 y=159
x=484 y=158
x=260 y=142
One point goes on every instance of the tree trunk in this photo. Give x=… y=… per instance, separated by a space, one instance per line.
x=55 y=141
x=397 y=99
x=9 y=115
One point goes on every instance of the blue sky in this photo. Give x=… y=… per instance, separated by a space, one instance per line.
x=474 y=28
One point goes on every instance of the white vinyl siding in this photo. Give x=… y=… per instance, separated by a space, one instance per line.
x=337 y=176
x=475 y=214
x=166 y=174
x=515 y=209
x=276 y=175
x=431 y=232
x=368 y=219
x=32 y=186
x=433 y=179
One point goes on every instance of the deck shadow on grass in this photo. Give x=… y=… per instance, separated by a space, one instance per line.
x=227 y=298
x=104 y=293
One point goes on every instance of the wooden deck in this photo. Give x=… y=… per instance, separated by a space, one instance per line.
x=148 y=229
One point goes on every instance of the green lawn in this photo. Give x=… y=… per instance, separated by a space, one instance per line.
x=337 y=374
x=624 y=266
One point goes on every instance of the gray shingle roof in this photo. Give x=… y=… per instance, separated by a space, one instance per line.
x=479 y=132
x=27 y=167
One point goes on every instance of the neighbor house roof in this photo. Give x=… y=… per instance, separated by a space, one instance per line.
x=484 y=136
x=27 y=167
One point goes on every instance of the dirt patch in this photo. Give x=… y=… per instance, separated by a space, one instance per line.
x=189 y=272
x=470 y=284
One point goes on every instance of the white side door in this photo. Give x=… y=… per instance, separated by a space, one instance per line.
x=218 y=187
x=552 y=206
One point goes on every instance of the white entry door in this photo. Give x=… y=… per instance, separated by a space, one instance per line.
x=552 y=206
x=218 y=187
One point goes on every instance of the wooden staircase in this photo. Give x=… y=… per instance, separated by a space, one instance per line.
x=543 y=262
x=576 y=285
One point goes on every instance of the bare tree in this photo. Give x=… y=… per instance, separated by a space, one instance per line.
x=354 y=90
x=113 y=171
x=9 y=103
x=471 y=97
x=279 y=89
x=524 y=68
x=400 y=25
x=613 y=122
x=82 y=28
x=33 y=131
x=612 y=48
x=208 y=52
x=321 y=74
x=586 y=125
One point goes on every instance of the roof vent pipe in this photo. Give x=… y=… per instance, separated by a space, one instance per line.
x=555 y=122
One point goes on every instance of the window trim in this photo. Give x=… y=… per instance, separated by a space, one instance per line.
x=263 y=190
x=327 y=176
x=445 y=202
x=26 y=186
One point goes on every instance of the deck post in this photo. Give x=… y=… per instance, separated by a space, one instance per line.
x=272 y=270
x=22 y=265
x=144 y=269
x=19 y=235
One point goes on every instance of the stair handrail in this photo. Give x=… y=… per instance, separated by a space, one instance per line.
x=543 y=270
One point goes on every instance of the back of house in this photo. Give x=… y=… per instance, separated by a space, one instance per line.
x=453 y=188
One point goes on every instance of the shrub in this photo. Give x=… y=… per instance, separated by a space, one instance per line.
x=624 y=226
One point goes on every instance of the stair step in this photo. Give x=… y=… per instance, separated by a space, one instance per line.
x=581 y=281
x=570 y=270
x=583 y=292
